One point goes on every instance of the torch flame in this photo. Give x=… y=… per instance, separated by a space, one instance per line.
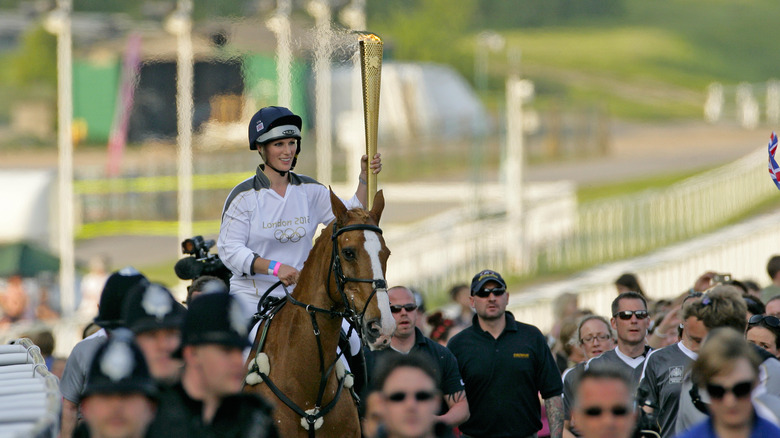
x=369 y=37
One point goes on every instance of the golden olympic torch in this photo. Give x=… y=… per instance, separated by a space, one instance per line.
x=371 y=72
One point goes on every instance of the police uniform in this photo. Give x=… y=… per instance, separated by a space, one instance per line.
x=503 y=376
x=118 y=367
x=239 y=416
x=661 y=382
x=109 y=317
x=152 y=307
x=213 y=318
x=442 y=359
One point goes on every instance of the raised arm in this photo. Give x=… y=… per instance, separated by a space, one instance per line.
x=362 y=189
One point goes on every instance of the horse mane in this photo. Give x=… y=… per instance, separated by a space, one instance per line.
x=355 y=215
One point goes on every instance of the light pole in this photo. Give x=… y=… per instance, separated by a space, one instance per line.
x=517 y=91
x=320 y=10
x=58 y=22
x=487 y=41
x=180 y=24
x=279 y=24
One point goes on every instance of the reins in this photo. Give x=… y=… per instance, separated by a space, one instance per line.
x=354 y=318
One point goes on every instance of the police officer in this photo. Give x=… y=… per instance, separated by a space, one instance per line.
x=207 y=402
x=109 y=318
x=155 y=318
x=120 y=397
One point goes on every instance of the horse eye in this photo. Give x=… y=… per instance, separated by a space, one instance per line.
x=348 y=253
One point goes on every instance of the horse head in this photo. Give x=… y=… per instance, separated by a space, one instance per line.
x=360 y=262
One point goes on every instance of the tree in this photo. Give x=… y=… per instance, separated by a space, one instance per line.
x=424 y=30
x=34 y=63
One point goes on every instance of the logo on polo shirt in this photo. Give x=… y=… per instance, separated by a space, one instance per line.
x=676 y=374
x=521 y=355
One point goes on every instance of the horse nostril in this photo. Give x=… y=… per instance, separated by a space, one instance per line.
x=373 y=328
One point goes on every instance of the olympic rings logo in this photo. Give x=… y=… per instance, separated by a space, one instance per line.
x=290 y=235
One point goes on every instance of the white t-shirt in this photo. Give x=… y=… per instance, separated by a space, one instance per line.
x=256 y=220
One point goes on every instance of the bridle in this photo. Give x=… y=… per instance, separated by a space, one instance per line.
x=349 y=313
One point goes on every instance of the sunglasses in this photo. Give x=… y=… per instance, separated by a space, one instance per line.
x=597 y=411
x=484 y=293
x=739 y=390
x=420 y=396
x=396 y=308
x=771 y=321
x=626 y=314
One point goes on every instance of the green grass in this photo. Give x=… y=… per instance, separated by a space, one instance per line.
x=652 y=64
x=161 y=273
x=611 y=190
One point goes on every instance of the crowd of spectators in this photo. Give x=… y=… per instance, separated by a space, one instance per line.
x=701 y=363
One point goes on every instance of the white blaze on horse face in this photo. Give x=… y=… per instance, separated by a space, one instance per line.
x=373 y=246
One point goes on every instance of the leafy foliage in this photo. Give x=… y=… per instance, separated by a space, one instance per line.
x=34 y=63
x=423 y=30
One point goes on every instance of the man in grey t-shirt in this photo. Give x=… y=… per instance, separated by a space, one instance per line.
x=665 y=368
x=630 y=321
x=109 y=318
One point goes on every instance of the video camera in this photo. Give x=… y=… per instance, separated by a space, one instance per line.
x=647 y=422
x=200 y=262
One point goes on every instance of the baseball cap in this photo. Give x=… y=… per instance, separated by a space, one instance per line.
x=152 y=307
x=114 y=292
x=119 y=367
x=483 y=277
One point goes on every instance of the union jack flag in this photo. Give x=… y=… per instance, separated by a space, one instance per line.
x=774 y=169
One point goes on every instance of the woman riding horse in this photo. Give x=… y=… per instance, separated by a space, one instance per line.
x=343 y=279
x=268 y=220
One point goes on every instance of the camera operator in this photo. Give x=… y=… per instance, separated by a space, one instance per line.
x=200 y=263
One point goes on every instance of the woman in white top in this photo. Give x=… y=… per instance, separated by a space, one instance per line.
x=269 y=220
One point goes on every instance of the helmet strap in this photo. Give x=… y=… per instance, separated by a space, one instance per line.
x=280 y=172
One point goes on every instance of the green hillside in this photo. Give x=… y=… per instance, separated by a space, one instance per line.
x=657 y=60
x=651 y=61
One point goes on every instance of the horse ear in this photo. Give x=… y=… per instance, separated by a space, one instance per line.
x=339 y=210
x=379 y=205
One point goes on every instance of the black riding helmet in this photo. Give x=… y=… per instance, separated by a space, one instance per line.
x=272 y=123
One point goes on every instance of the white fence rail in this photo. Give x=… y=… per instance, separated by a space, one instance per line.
x=559 y=237
x=623 y=227
x=741 y=250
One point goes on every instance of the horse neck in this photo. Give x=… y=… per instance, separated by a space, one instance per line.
x=312 y=288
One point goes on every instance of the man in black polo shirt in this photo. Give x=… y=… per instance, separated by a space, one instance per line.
x=406 y=339
x=505 y=364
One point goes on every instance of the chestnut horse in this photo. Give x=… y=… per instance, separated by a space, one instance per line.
x=297 y=367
